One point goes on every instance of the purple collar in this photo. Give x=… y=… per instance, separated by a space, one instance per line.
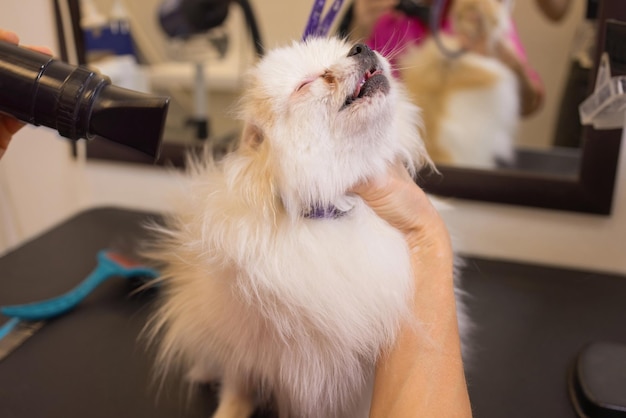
x=328 y=212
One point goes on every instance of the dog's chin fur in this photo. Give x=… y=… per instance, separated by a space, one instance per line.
x=281 y=308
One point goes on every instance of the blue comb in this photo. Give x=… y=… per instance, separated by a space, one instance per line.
x=27 y=319
x=110 y=264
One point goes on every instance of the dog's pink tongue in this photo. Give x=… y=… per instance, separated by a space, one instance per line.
x=357 y=90
x=369 y=74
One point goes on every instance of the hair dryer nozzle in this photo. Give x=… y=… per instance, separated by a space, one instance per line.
x=78 y=102
x=130 y=118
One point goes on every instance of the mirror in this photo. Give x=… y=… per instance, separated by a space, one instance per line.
x=579 y=178
x=576 y=179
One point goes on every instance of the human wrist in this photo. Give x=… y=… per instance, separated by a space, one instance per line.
x=428 y=229
x=432 y=256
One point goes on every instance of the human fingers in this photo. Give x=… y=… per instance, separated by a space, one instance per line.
x=397 y=199
x=396 y=175
x=8 y=127
x=12 y=37
x=9 y=36
x=8 y=124
x=38 y=48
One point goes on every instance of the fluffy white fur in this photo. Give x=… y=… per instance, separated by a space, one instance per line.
x=283 y=309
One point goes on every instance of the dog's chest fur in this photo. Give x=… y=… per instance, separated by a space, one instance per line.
x=303 y=307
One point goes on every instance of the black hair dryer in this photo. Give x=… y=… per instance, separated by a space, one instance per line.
x=77 y=101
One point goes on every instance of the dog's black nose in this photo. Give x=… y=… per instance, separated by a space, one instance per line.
x=360 y=49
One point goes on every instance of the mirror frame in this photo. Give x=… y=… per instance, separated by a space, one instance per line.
x=590 y=191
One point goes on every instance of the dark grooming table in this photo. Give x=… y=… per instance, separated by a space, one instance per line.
x=531 y=321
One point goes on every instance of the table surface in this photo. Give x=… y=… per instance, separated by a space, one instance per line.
x=530 y=322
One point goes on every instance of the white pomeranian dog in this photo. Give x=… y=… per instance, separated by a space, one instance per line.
x=277 y=281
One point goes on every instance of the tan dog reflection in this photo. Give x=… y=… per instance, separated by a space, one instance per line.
x=470 y=103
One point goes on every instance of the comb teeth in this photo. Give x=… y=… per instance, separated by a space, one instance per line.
x=22 y=331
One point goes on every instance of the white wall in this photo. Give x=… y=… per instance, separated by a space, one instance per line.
x=46 y=185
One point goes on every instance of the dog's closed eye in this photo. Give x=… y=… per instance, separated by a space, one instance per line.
x=305 y=83
x=327 y=76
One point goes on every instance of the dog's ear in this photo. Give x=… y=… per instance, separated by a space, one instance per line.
x=252 y=136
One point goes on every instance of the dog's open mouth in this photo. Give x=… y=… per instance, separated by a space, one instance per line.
x=373 y=81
